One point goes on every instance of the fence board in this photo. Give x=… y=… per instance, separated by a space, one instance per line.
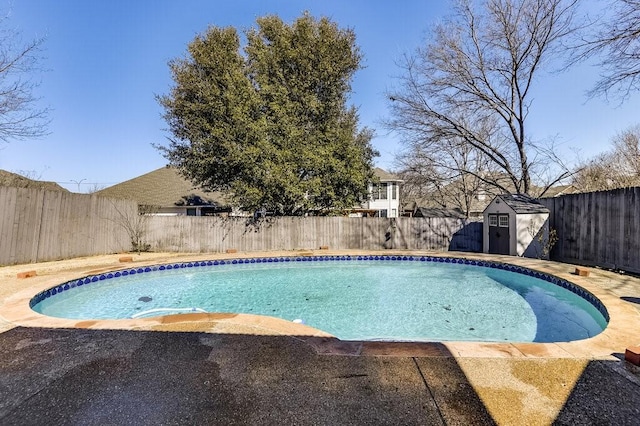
x=7 y=205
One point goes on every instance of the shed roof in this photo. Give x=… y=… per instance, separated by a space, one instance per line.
x=163 y=187
x=523 y=204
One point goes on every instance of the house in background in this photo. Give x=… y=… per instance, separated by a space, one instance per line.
x=165 y=192
x=384 y=197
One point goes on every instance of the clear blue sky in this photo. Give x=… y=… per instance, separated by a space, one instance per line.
x=107 y=59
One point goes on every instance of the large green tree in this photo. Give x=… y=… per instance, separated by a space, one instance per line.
x=269 y=124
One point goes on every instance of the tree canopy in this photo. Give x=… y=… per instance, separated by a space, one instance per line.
x=269 y=124
x=464 y=97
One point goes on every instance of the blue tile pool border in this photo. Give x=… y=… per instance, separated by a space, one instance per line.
x=90 y=279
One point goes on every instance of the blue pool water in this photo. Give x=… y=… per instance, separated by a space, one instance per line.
x=398 y=300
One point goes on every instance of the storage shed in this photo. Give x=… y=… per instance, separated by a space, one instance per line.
x=517 y=225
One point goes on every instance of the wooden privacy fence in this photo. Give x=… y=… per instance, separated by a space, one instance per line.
x=38 y=225
x=217 y=234
x=597 y=228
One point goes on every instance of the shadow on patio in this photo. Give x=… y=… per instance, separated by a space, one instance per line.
x=74 y=376
x=81 y=376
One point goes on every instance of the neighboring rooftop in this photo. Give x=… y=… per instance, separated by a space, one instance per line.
x=557 y=191
x=17 y=181
x=521 y=203
x=436 y=212
x=385 y=176
x=164 y=187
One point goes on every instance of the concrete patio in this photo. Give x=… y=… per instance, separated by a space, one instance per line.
x=208 y=369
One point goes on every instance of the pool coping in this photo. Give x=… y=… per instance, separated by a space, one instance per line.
x=610 y=344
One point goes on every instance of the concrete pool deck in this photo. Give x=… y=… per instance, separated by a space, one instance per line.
x=509 y=383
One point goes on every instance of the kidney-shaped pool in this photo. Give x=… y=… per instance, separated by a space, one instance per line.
x=393 y=298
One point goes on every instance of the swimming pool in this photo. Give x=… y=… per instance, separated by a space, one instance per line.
x=397 y=298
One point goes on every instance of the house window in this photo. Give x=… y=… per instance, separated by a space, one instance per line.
x=382 y=213
x=493 y=220
x=394 y=213
x=379 y=191
x=394 y=189
x=504 y=221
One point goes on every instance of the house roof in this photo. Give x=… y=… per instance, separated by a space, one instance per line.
x=557 y=191
x=434 y=212
x=385 y=176
x=523 y=204
x=164 y=187
x=17 y=181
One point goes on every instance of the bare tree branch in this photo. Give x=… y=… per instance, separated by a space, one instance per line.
x=20 y=116
x=618 y=168
x=471 y=83
x=616 y=44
